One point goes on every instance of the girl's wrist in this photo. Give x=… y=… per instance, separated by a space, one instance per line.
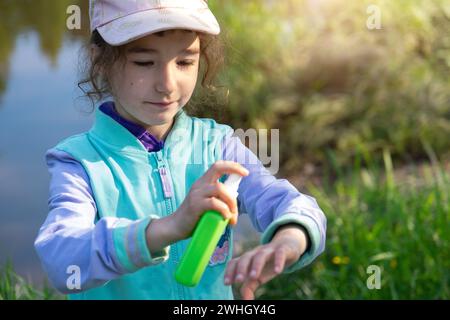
x=176 y=224
x=296 y=236
x=161 y=233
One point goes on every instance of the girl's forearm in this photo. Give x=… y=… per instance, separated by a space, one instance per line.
x=161 y=233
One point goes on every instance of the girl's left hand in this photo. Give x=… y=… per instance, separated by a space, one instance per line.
x=260 y=265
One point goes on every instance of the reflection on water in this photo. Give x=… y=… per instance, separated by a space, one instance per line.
x=47 y=18
x=38 y=108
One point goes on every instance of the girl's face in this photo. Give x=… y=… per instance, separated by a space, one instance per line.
x=157 y=79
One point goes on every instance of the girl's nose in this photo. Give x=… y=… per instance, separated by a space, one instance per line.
x=166 y=80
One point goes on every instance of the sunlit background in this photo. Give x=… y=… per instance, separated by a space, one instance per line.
x=363 y=114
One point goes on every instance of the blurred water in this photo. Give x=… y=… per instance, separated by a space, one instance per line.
x=38 y=109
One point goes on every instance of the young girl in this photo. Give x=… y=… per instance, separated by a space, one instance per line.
x=126 y=196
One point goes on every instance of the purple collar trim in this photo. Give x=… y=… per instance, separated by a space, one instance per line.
x=149 y=141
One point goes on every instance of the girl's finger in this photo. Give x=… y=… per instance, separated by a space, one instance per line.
x=280 y=260
x=259 y=261
x=274 y=268
x=270 y=270
x=248 y=289
x=221 y=167
x=234 y=219
x=242 y=267
x=229 y=272
x=219 y=190
x=217 y=205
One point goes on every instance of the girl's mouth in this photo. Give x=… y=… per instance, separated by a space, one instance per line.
x=161 y=104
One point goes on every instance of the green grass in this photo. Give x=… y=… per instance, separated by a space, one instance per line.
x=400 y=224
x=14 y=287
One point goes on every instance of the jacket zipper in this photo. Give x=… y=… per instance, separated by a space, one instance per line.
x=168 y=194
x=167 y=188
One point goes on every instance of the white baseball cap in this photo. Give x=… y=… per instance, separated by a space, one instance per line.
x=122 y=21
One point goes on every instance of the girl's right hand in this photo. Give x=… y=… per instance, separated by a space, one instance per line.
x=208 y=194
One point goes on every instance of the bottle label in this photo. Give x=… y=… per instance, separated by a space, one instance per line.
x=220 y=254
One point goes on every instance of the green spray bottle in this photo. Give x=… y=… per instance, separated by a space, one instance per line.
x=204 y=240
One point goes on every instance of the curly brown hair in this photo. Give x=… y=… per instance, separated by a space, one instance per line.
x=96 y=71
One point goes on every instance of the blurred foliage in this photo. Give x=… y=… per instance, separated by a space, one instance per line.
x=311 y=68
x=315 y=71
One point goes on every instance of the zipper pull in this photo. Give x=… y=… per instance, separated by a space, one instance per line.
x=167 y=187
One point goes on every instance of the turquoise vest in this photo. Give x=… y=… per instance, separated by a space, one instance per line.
x=126 y=182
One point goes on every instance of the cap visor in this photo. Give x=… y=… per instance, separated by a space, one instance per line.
x=135 y=26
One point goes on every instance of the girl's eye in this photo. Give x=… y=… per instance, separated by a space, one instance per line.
x=186 y=63
x=143 y=63
x=183 y=64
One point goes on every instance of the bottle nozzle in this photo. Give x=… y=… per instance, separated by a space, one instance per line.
x=232 y=184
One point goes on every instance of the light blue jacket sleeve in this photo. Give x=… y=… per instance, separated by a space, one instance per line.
x=271 y=202
x=72 y=243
